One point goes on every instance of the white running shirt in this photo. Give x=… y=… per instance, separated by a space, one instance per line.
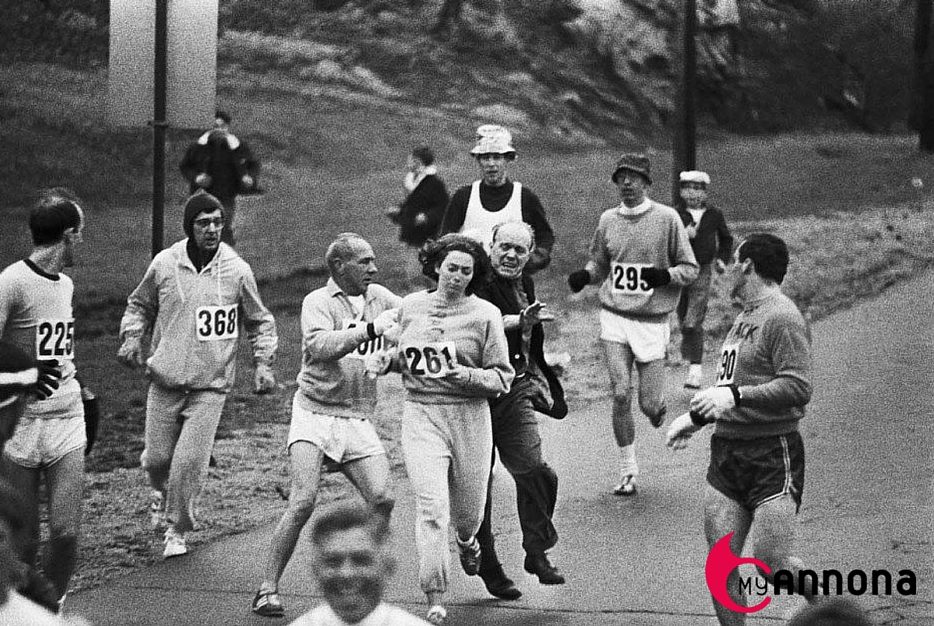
x=479 y=223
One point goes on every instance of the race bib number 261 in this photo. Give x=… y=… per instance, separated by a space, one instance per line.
x=216 y=323
x=55 y=339
x=432 y=360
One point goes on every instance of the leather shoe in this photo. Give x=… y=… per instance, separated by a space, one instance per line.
x=500 y=585
x=539 y=565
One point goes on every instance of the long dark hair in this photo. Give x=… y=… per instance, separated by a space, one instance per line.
x=435 y=251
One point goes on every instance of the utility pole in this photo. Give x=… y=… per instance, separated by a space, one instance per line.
x=922 y=113
x=159 y=125
x=684 y=156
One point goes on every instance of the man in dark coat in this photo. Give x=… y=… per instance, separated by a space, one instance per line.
x=515 y=415
x=223 y=165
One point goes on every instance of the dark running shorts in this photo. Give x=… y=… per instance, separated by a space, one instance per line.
x=755 y=471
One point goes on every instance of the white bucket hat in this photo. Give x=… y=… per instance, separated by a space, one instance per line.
x=694 y=176
x=493 y=139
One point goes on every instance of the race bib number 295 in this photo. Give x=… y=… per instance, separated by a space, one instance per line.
x=216 y=323
x=55 y=339
x=626 y=279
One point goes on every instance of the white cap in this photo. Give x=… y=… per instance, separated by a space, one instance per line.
x=493 y=139
x=694 y=176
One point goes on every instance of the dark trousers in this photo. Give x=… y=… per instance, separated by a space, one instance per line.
x=516 y=437
x=230 y=209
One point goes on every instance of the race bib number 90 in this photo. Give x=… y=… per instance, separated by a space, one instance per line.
x=216 y=323
x=55 y=339
x=366 y=348
x=627 y=279
x=432 y=360
x=726 y=369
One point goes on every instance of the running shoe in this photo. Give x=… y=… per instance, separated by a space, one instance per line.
x=693 y=380
x=268 y=604
x=626 y=487
x=174 y=544
x=157 y=510
x=437 y=614
x=470 y=556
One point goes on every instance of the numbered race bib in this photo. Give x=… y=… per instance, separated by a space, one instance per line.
x=432 y=360
x=627 y=279
x=366 y=348
x=216 y=323
x=727 y=366
x=55 y=339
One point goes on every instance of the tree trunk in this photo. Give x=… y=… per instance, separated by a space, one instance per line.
x=450 y=12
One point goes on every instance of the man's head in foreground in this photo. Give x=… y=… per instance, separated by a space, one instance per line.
x=350 y=559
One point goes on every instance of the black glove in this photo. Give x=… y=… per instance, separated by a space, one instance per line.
x=48 y=378
x=655 y=277
x=578 y=280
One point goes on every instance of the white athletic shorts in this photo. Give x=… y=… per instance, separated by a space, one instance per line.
x=647 y=340
x=342 y=439
x=48 y=430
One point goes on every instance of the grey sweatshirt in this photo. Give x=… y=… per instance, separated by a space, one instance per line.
x=474 y=326
x=771 y=367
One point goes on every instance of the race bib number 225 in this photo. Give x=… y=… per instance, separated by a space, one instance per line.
x=55 y=339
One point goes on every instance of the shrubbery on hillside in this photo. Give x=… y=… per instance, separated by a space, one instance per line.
x=799 y=62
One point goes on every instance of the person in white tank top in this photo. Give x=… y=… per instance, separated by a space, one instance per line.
x=475 y=209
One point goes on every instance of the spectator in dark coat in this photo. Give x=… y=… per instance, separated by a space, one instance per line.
x=419 y=215
x=713 y=246
x=223 y=165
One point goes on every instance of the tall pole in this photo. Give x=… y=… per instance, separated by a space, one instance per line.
x=922 y=111
x=159 y=125
x=685 y=147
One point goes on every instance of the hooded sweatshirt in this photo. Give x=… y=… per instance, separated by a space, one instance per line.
x=194 y=318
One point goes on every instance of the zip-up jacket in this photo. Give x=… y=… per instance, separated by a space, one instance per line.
x=188 y=313
x=335 y=344
x=653 y=237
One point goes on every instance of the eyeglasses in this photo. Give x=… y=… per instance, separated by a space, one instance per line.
x=209 y=221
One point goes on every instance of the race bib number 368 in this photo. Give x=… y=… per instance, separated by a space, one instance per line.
x=626 y=278
x=432 y=360
x=216 y=323
x=55 y=339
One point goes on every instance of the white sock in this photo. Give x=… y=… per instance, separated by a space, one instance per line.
x=696 y=369
x=628 y=465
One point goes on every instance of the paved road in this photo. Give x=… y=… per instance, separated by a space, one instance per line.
x=868 y=505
